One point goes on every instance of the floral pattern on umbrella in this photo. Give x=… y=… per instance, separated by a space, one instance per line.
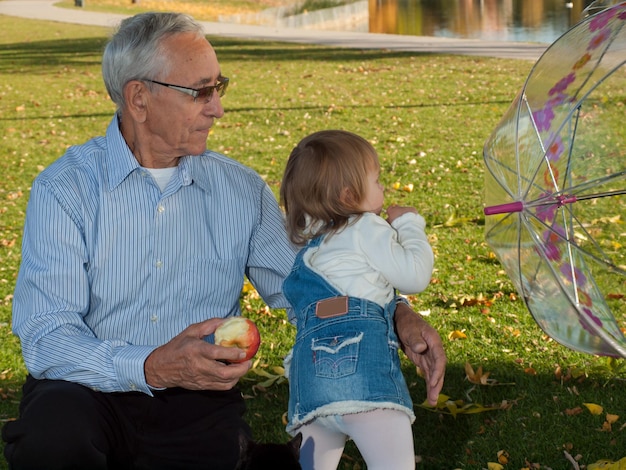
x=555 y=187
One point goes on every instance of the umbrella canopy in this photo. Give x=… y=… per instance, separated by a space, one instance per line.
x=555 y=184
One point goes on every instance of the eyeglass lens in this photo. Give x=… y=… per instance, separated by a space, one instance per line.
x=207 y=92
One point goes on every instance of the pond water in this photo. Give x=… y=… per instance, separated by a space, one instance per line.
x=506 y=20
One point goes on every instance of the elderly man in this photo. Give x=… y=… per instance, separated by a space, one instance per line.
x=135 y=248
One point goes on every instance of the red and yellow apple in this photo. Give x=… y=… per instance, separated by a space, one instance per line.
x=239 y=332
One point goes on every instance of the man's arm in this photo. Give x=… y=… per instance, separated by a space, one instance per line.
x=271 y=253
x=422 y=344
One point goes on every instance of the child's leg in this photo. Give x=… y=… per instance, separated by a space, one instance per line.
x=384 y=438
x=322 y=445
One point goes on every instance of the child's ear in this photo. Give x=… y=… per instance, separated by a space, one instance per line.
x=347 y=197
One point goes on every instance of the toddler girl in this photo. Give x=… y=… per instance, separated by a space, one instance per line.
x=344 y=370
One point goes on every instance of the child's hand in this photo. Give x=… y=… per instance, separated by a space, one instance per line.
x=393 y=212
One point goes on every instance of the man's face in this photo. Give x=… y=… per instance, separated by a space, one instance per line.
x=178 y=124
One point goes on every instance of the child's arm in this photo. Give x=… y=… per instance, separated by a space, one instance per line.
x=401 y=252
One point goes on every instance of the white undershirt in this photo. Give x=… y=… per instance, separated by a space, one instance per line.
x=162 y=176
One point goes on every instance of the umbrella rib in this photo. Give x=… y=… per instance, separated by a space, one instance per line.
x=543 y=142
x=606 y=46
x=567 y=177
x=608 y=338
x=567 y=225
x=576 y=110
x=606 y=260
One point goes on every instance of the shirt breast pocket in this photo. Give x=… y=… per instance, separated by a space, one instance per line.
x=213 y=286
x=336 y=356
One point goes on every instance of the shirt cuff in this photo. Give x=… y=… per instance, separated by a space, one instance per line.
x=400 y=299
x=129 y=368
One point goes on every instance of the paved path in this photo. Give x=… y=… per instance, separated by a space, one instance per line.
x=45 y=10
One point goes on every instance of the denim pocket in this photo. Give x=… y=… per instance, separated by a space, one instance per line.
x=336 y=356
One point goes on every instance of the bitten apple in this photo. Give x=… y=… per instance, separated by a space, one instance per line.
x=239 y=332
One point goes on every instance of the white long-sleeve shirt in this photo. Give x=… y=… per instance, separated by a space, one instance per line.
x=370 y=257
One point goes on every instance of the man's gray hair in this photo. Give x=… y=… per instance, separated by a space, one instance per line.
x=135 y=53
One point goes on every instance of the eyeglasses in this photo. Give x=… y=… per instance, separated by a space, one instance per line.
x=204 y=94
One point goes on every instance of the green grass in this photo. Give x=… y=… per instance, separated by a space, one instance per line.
x=428 y=116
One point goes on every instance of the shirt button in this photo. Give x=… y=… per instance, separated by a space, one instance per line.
x=161 y=208
x=159 y=263
x=154 y=318
x=133 y=386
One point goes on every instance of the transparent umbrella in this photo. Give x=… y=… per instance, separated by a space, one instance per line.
x=555 y=184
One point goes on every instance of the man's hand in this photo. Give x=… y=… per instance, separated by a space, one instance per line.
x=188 y=361
x=422 y=344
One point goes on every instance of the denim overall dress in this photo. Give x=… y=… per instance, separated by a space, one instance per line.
x=345 y=361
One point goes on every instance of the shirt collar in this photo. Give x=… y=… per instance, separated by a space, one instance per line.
x=121 y=162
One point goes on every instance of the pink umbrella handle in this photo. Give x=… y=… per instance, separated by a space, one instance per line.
x=507 y=208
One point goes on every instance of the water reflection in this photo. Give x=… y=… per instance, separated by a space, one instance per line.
x=505 y=20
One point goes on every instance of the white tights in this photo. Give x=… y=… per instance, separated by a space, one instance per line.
x=384 y=438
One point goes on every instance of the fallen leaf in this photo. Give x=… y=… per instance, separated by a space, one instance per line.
x=455 y=407
x=608 y=465
x=456 y=334
x=477 y=377
x=573 y=411
x=593 y=408
x=530 y=371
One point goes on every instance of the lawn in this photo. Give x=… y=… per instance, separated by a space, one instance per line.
x=512 y=395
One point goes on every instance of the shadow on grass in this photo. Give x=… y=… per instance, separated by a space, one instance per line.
x=537 y=418
x=40 y=56
x=88 y=51
x=534 y=421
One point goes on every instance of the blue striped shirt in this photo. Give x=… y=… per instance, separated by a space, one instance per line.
x=113 y=268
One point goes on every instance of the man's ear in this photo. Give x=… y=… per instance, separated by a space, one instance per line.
x=136 y=96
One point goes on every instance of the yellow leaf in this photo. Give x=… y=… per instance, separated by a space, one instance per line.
x=494 y=466
x=593 y=408
x=503 y=457
x=456 y=334
x=452 y=408
x=261 y=372
x=278 y=370
x=608 y=465
x=441 y=400
x=611 y=418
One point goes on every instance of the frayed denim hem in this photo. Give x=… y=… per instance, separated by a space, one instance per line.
x=345 y=408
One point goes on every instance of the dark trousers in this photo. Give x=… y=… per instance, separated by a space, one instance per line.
x=63 y=425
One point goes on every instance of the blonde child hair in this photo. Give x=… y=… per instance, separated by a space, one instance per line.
x=324 y=183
